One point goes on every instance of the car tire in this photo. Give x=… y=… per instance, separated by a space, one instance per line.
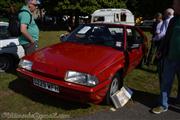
x=6 y=63
x=116 y=84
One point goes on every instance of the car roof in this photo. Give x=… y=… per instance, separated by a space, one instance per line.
x=109 y=11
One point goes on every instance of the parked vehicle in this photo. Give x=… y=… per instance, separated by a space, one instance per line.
x=10 y=49
x=89 y=65
x=118 y=16
x=147 y=25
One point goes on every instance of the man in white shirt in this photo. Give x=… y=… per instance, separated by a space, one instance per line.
x=168 y=14
x=155 y=42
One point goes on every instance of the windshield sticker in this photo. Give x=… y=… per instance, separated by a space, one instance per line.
x=84 y=30
x=118 y=44
x=116 y=30
x=129 y=31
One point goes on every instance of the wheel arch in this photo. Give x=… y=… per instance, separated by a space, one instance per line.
x=13 y=58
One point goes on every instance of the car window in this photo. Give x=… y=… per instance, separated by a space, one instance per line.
x=117 y=34
x=4 y=32
x=134 y=38
x=97 y=34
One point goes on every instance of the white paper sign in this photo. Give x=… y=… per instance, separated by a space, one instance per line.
x=84 y=30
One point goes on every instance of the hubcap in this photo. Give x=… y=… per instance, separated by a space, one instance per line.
x=114 y=86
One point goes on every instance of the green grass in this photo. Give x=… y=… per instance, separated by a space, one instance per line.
x=17 y=97
x=49 y=37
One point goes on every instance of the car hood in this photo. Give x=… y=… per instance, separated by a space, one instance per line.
x=59 y=58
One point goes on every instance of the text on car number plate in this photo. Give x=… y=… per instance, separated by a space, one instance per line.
x=46 y=85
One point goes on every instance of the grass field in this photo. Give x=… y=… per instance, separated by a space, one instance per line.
x=16 y=97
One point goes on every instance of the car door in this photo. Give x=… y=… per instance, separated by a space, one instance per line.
x=134 y=42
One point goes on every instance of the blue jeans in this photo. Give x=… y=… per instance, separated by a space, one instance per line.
x=167 y=74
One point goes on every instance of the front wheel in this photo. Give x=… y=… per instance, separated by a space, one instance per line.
x=115 y=85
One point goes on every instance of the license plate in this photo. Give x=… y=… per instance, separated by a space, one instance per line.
x=46 y=85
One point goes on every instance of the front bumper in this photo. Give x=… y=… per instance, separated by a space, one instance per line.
x=69 y=91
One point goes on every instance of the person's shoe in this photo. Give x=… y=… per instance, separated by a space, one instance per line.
x=159 y=109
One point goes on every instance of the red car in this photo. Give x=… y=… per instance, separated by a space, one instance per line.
x=88 y=65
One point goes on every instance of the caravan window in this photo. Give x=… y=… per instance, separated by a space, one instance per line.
x=116 y=17
x=123 y=17
x=120 y=17
x=98 y=19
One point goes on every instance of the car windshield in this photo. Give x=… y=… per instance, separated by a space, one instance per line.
x=97 y=34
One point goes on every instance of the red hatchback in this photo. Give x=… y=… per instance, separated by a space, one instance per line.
x=88 y=65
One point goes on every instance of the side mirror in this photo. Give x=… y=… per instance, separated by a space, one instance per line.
x=61 y=38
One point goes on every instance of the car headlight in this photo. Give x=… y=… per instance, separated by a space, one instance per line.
x=81 y=78
x=26 y=64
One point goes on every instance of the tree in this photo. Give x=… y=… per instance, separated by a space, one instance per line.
x=10 y=6
x=142 y=8
x=148 y=9
x=81 y=6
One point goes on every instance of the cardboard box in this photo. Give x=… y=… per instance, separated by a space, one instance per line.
x=121 y=97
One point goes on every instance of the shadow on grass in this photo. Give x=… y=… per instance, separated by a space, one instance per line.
x=12 y=71
x=21 y=86
x=147 y=99
x=151 y=100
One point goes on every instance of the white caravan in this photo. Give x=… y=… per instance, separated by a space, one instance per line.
x=119 y=16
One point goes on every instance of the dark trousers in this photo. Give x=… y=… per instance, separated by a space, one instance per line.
x=152 y=52
x=168 y=70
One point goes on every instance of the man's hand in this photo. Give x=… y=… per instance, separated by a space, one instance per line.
x=26 y=34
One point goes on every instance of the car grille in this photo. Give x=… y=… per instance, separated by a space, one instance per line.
x=48 y=75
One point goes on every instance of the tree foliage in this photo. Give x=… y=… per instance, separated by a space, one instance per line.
x=148 y=8
x=145 y=8
x=81 y=6
x=10 y=6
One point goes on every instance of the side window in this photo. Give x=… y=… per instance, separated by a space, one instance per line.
x=138 y=37
x=117 y=34
x=134 y=39
x=98 y=19
x=4 y=32
x=129 y=34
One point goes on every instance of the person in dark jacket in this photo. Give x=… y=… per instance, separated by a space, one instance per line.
x=169 y=55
